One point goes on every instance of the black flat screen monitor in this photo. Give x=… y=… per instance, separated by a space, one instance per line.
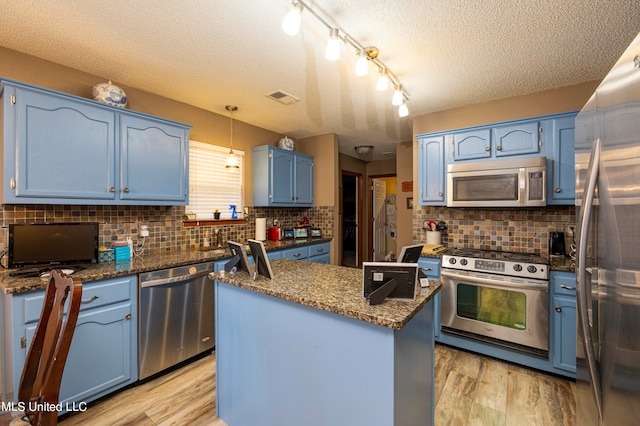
x=392 y=280
x=410 y=254
x=237 y=250
x=52 y=244
x=263 y=267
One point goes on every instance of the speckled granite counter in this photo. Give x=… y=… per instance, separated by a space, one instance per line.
x=562 y=263
x=144 y=263
x=335 y=289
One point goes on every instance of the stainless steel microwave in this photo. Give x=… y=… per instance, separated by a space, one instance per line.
x=518 y=182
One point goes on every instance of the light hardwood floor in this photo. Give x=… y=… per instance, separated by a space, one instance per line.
x=469 y=390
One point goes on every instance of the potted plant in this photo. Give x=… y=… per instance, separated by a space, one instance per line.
x=216 y=214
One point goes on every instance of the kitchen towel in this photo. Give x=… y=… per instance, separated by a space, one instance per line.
x=261 y=228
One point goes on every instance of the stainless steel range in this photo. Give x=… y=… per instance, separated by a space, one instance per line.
x=499 y=297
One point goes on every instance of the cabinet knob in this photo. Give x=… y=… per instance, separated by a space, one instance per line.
x=112 y=189
x=128 y=316
x=125 y=189
x=486 y=148
x=440 y=194
x=558 y=309
x=499 y=148
x=556 y=190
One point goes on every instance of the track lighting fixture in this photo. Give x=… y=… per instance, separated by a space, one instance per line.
x=403 y=110
x=366 y=55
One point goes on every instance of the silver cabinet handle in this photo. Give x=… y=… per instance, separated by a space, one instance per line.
x=112 y=189
x=128 y=316
x=556 y=190
x=125 y=189
x=296 y=255
x=566 y=287
x=91 y=299
x=499 y=148
x=487 y=148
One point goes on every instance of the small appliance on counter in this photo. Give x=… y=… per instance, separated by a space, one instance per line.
x=275 y=233
x=316 y=233
x=287 y=233
x=301 y=232
x=556 y=244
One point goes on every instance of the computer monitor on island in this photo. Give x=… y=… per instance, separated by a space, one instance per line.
x=239 y=258
x=263 y=267
x=387 y=280
x=410 y=254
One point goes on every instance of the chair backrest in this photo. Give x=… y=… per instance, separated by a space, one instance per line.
x=42 y=372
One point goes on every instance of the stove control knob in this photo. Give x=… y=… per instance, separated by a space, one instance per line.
x=532 y=269
x=463 y=262
x=517 y=267
x=452 y=261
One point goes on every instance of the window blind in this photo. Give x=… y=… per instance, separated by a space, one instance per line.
x=211 y=185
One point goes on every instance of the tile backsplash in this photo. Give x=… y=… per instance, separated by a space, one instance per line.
x=166 y=230
x=506 y=229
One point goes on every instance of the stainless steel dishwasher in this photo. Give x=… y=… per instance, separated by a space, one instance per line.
x=176 y=320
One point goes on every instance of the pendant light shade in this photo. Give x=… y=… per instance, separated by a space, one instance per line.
x=403 y=110
x=332 y=53
x=231 y=163
x=362 y=64
x=383 y=80
x=398 y=97
x=291 y=22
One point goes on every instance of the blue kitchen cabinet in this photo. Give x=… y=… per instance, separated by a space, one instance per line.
x=56 y=148
x=472 y=144
x=431 y=268
x=103 y=354
x=563 y=320
x=320 y=253
x=561 y=181
x=63 y=149
x=154 y=161
x=282 y=178
x=520 y=138
x=431 y=171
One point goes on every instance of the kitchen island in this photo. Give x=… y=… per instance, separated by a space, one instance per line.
x=307 y=348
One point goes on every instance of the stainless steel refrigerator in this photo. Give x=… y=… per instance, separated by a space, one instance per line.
x=608 y=248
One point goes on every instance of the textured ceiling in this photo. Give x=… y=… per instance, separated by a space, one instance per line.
x=447 y=53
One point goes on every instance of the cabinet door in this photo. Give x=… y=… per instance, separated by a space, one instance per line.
x=431 y=173
x=154 y=160
x=562 y=183
x=303 y=180
x=516 y=139
x=564 y=333
x=64 y=150
x=281 y=175
x=431 y=267
x=472 y=145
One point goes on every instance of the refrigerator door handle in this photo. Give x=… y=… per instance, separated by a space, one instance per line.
x=582 y=291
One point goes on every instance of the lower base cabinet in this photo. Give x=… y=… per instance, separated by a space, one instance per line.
x=103 y=353
x=563 y=320
x=431 y=268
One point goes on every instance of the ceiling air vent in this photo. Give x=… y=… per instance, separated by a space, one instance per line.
x=282 y=97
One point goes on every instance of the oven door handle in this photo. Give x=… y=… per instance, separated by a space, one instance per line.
x=479 y=280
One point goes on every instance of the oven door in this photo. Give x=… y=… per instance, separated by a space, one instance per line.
x=508 y=309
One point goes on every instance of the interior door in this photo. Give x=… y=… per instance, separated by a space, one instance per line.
x=379 y=196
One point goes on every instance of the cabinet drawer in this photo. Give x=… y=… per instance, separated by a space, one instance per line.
x=319 y=249
x=431 y=267
x=94 y=295
x=563 y=283
x=296 y=253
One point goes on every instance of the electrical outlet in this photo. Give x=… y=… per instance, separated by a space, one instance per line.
x=144 y=230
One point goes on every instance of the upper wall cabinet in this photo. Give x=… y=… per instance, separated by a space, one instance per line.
x=63 y=149
x=282 y=178
x=551 y=136
x=431 y=171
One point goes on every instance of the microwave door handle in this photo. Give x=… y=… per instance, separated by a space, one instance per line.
x=522 y=186
x=581 y=272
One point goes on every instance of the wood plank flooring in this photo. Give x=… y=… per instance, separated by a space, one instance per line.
x=469 y=390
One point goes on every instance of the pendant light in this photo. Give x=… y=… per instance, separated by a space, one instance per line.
x=383 y=80
x=398 y=96
x=232 y=161
x=362 y=64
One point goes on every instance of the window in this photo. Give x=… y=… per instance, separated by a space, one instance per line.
x=211 y=185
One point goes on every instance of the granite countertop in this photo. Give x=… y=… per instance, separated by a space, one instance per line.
x=336 y=289
x=144 y=263
x=562 y=263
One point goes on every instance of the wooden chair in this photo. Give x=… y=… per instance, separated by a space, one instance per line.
x=42 y=372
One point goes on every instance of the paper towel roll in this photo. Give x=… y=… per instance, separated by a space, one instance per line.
x=261 y=228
